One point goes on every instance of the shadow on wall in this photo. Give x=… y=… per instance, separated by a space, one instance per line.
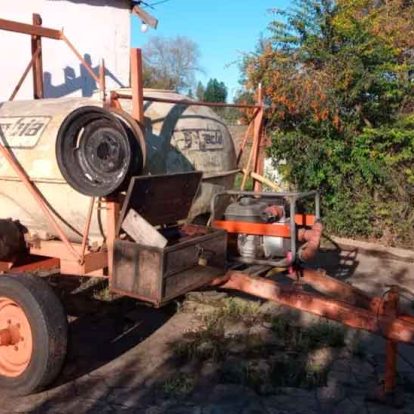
x=72 y=83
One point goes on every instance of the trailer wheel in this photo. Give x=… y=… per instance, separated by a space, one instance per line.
x=33 y=334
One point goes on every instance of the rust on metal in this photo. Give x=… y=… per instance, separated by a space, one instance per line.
x=102 y=81
x=30 y=29
x=112 y=217
x=5 y=337
x=327 y=285
x=312 y=239
x=247 y=170
x=394 y=328
x=137 y=85
x=257 y=140
x=36 y=265
x=86 y=230
x=187 y=102
x=93 y=265
x=38 y=91
x=390 y=308
x=246 y=136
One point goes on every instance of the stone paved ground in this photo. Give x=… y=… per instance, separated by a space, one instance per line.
x=121 y=358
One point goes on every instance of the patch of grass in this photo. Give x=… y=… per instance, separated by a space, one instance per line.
x=296 y=338
x=238 y=182
x=235 y=309
x=209 y=342
x=326 y=334
x=178 y=385
x=200 y=345
x=278 y=358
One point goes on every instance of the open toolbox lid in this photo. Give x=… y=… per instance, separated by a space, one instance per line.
x=161 y=199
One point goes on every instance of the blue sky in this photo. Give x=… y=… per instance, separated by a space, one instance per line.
x=223 y=29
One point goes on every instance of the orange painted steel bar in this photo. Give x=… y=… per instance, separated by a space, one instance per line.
x=30 y=29
x=246 y=136
x=263 y=229
x=257 y=142
x=394 y=328
x=86 y=230
x=246 y=171
x=102 y=82
x=330 y=286
x=24 y=75
x=37 y=30
x=305 y=219
x=188 y=102
x=38 y=89
x=391 y=305
x=259 y=229
x=137 y=85
x=37 y=195
x=81 y=59
x=112 y=216
x=45 y=264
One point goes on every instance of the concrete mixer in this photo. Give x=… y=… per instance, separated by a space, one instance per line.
x=62 y=150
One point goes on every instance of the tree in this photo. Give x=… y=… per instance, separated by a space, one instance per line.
x=244 y=97
x=215 y=91
x=200 y=91
x=171 y=63
x=337 y=75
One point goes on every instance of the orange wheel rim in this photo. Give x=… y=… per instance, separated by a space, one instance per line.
x=16 y=340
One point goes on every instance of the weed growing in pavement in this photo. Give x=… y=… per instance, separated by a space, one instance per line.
x=178 y=385
x=280 y=357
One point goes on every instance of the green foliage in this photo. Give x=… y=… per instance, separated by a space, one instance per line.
x=215 y=91
x=200 y=91
x=338 y=76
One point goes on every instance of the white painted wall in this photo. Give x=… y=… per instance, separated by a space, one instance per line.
x=98 y=29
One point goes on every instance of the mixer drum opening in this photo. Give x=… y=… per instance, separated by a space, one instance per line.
x=96 y=153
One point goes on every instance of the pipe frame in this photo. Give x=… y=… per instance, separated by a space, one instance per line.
x=383 y=321
x=291 y=197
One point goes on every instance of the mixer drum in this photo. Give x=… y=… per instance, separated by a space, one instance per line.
x=72 y=149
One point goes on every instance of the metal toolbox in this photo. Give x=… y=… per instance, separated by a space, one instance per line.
x=193 y=255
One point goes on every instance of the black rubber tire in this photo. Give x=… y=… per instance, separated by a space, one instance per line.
x=94 y=153
x=48 y=322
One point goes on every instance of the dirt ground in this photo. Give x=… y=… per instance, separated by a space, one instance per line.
x=123 y=356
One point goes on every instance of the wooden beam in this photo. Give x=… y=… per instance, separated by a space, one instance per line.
x=145 y=17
